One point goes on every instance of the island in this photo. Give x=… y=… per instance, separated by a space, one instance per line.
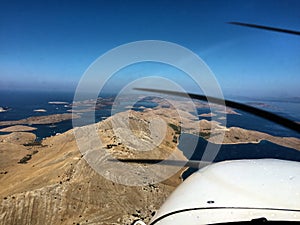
x=58 y=103
x=17 y=128
x=50 y=119
x=207 y=115
x=40 y=110
x=4 y=109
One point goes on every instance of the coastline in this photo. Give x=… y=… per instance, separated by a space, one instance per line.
x=50 y=119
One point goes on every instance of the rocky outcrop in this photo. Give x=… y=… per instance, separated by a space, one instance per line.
x=55 y=118
x=17 y=128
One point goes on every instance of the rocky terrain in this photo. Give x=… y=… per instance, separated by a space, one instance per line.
x=55 y=118
x=50 y=182
x=17 y=128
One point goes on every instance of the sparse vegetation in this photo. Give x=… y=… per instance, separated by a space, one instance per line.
x=35 y=143
x=175 y=139
x=205 y=135
x=109 y=146
x=177 y=129
x=25 y=159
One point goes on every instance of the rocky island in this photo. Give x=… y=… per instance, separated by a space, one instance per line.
x=17 y=128
x=50 y=119
x=58 y=103
x=40 y=110
x=4 y=109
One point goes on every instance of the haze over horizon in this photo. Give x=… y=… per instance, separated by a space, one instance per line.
x=49 y=45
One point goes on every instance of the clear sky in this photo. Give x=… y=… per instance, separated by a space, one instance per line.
x=49 y=44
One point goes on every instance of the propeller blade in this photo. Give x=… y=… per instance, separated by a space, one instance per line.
x=182 y=163
x=266 y=28
x=246 y=108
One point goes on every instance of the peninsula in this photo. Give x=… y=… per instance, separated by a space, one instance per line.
x=50 y=119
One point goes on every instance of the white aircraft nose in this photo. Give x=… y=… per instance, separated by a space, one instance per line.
x=139 y=223
x=232 y=191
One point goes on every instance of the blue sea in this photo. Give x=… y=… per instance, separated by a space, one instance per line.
x=264 y=149
x=287 y=109
x=22 y=105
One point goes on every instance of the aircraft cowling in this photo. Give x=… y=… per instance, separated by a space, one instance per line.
x=231 y=191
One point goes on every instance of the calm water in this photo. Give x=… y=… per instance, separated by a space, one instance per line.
x=248 y=121
x=264 y=149
x=23 y=103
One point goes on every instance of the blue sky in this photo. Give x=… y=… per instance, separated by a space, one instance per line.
x=48 y=45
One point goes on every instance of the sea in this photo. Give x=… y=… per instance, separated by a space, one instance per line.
x=21 y=104
x=264 y=149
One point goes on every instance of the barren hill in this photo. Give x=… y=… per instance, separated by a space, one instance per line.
x=57 y=186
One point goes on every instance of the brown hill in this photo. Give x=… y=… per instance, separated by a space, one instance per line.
x=57 y=186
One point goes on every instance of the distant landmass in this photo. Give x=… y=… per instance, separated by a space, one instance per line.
x=17 y=128
x=58 y=103
x=40 y=110
x=55 y=118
